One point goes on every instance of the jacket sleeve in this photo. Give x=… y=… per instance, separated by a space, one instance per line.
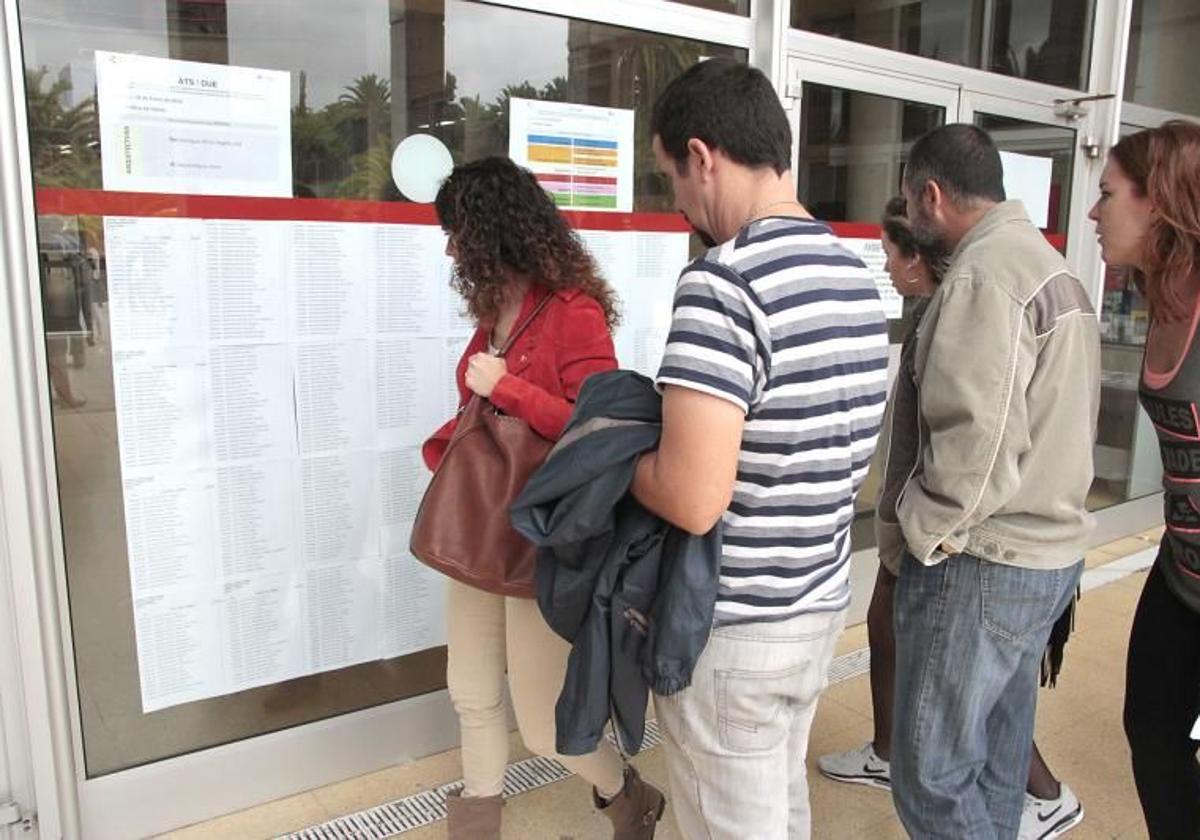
x=584 y=347
x=979 y=361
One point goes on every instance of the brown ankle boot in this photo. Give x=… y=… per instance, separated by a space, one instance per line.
x=635 y=810
x=473 y=817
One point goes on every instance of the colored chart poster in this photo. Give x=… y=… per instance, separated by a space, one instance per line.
x=581 y=154
x=188 y=127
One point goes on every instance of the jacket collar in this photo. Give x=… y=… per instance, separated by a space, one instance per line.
x=1001 y=214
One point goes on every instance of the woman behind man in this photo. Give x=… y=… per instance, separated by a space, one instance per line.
x=511 y=249
x=916 y=273
x=1148 y=221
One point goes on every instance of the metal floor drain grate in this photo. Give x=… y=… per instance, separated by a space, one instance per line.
x=428 y=807
x=849 y=665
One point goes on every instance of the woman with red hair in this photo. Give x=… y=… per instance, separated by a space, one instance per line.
x=1148 y=222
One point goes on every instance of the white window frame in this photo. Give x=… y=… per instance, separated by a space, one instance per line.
x=1084 y=170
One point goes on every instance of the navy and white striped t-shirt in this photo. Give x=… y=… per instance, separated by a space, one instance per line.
x=785 y=322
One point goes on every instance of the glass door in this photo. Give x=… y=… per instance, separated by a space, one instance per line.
x=853 y=130
x=853 y=133
x=1034 y=138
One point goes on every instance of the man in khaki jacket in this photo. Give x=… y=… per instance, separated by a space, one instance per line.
x=994 y=516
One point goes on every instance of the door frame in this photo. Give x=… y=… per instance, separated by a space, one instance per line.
x=1085 y=168
x=802 y=66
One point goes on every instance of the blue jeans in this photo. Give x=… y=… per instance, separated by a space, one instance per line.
x=969 y=641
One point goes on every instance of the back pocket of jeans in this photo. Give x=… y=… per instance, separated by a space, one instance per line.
x=1018 y=603
x=753 y=712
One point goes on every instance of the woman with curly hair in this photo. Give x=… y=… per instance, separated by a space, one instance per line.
x=512 y=250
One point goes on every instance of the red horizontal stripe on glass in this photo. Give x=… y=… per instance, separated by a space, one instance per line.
x=70 y=202
x=861 y=230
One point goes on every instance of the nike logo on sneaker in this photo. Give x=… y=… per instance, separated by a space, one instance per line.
x=1043 y=817
x=874 y=771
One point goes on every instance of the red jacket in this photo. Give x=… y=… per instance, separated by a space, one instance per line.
x=565 y=344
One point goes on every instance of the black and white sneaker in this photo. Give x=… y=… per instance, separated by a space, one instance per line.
x=1044 y=819
x=858 y=767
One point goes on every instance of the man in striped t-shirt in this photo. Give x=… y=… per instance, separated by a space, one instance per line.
x=773 y=384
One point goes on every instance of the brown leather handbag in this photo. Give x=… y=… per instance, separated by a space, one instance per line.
x=462 y=527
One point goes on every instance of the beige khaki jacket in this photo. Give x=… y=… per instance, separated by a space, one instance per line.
x=1007 y=367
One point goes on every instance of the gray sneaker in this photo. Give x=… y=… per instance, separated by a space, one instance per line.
x=858 y=767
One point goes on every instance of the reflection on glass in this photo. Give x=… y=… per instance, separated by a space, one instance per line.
x=735 y=7
x=1162 y=42
x=1127 y=459
x=946 y=30
x=1043 y=41
x=362 y=80
x=1032 y=39
x=1040 y=140
x=852 y=151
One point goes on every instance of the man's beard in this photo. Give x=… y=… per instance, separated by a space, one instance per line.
x=928 y=236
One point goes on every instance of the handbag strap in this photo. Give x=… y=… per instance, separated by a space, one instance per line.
x=512 y=337
x=515 y=334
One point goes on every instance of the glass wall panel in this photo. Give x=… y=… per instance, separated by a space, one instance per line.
x=1046 y=141
x=852 y=151
x=1128 y=465
x=362 y=78
x=1162 y=42
x=946 y=30
x=735 y=7
x=1031 y=39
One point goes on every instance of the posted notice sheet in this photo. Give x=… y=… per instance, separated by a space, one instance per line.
x=185 y=127
x=274 y=383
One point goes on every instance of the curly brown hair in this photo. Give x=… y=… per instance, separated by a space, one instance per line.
x=501 y=220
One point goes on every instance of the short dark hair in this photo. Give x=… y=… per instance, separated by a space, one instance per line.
x=898 y=229
x=961 y=159
x=895 y=224
x=729 y=106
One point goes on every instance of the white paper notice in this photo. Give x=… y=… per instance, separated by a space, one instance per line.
x=871 y=252
x=643 y=268
x=185 y=127
x=1027 y=178
x=581 y=154
x=274 y=382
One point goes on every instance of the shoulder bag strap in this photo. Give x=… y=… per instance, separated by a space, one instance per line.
x=475 y=400
x=515 y=334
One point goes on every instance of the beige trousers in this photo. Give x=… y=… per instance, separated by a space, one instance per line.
x=484 y=633
x=738 y=736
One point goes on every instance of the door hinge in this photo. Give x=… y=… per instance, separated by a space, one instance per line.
x=10 y=815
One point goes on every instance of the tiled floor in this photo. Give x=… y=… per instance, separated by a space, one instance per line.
x=1079 y=733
